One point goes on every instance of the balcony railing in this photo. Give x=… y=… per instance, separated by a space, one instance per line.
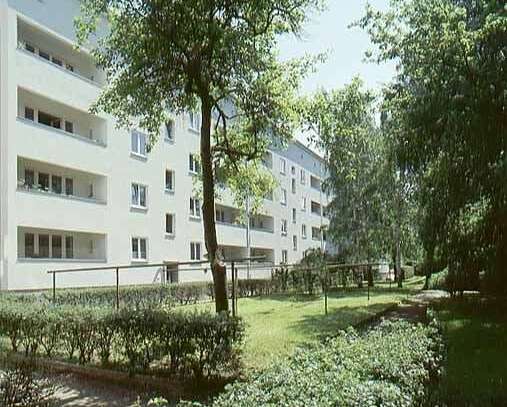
x=62 y=131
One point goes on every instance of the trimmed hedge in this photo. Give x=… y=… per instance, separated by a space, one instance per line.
x=141 y=340
x=391 y=365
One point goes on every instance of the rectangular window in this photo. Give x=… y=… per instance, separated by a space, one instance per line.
x=294 y=215
x=29 y=245
x=44 y=246
x=44 y=181
x=283 y=165
x=283 y=200
x=138 y=143
x=303 y=177
x=195 y=207
x=69 y=247
x=56 y=184
x=169 y=223
x=169 y=180
x=69 y=186
x=284 y=256
x=139 y=248
x=303 y=203
x=293 y=183
x=49 y=120
x=69 y=127
x=29 y=114
x=139 y=195
x=29 y=178
x=284 y=227
x=220 y=215
x=315 y=233
x=56 y=247
x=193 y=164
x=294 y=243
x=194 y=121
x=303 y=231
x=293 y=170
x=195 y=251
x=169 y=130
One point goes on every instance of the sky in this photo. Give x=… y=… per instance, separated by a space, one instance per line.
x=328 y=31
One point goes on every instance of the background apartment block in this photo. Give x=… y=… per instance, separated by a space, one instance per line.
x=78 y=192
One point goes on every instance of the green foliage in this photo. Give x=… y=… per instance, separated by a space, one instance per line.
x=19 y=386
x=189 y=344
x=446 y=109
x=390 y=365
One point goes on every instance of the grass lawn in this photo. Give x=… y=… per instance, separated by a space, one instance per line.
x=475 y=331
x=277 y=323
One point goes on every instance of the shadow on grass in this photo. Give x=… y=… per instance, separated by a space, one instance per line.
x=323 y=326
x=475 y=332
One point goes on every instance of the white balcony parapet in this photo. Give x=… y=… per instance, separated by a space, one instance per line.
x=61 y=68
x=62 y=131
x=36 y=189
x=58 y=260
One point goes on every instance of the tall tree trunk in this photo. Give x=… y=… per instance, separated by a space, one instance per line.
x=208 y=210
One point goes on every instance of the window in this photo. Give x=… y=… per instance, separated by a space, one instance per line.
x=193 y=164
x=294 y=215
x=303 y=231
x=29 y=114
x=195 y=208
x=303 y=203
x=169 y=223
x=44 y=181
x=194 y=121
x=294 y=243
x=69 y=186
x=284 y=256
x=283 y=164
x=29 y=178
x=138 y=143
x=139 y=249
x=56 y=184
x=283 y=201
x=169 y=130
x=49 y=120
x=56 y=247
x=315 y=233
x=139 y=195
x=195 y=251
x=283 y=227
x=57 y=61
x=169 y=180
x=293 y=170
x=293 y=184
x=30 y=48
x=29 y=245
x=44 y=246
x=220 y=215
x=69 y=247
x=69 y=127
x=303 y=177
x=44 y=54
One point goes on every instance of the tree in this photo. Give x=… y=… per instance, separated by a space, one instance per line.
x=218 y=56
x=448 y=106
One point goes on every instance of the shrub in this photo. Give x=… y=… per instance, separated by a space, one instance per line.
x=391 y=365
x=197 y=344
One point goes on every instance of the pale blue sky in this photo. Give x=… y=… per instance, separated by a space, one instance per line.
x=329 y=31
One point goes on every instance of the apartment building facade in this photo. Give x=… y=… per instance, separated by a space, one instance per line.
x=75 y=191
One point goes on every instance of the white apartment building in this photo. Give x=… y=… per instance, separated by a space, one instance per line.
x=75 y=191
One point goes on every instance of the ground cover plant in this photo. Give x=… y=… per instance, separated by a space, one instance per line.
x=475 y=333
x=392 y=364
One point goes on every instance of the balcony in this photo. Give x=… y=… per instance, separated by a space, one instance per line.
x=60 y=182
x=60 y=246
x=315 y=183
x=60 y=119
x=316 y=208
x=58 y=54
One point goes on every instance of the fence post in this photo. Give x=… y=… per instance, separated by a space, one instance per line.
x=117 y=289
x=233 y=294
x=325 y=287
x=235 y=291
x=54 y=287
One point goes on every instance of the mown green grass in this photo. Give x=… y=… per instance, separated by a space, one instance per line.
x=276 y=324
x=475 y=332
